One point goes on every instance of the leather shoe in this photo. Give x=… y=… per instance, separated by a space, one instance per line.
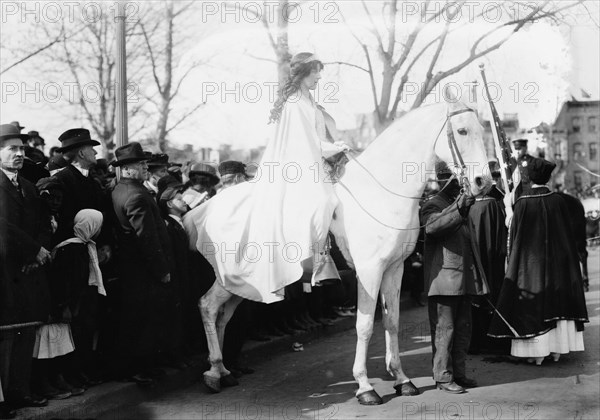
x=466 y=382
x=450 y=387
x=30 y=401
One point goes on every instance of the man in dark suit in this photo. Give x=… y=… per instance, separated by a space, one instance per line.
x=523 y=160
x=81 y=191
x=157 y=169
x=451 y=277
x=23 y=290
x=144 y=270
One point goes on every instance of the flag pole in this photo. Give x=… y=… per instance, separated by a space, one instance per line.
x=501 y=161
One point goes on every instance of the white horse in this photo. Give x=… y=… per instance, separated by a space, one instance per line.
x=376 y=226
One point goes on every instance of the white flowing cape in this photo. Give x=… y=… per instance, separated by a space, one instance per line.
x=256 y=234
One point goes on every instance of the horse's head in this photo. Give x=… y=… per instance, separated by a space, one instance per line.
x=464 y=125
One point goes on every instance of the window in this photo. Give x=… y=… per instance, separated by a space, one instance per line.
x=592 y=124
x=577 y=151
x=593 y=151
x=576 y=123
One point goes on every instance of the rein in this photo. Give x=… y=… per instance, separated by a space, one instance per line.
x=456 y=156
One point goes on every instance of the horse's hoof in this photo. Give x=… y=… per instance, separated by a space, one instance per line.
x=228 y=380
x=213 y=384
x=369 y=398
x=407 y=389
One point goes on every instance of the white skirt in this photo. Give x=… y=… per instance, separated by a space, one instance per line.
x=53 y=340
x=561 y=340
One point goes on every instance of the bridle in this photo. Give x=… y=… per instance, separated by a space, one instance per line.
x=456 y=157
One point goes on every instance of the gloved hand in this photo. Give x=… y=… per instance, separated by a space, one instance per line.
x=343 y=146
x=464 y=202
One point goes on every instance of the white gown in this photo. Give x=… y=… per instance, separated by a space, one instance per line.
x=257 y=234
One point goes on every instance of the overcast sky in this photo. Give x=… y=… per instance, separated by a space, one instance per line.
x=536 y=69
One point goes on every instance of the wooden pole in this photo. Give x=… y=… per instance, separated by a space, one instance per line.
x=121 y=77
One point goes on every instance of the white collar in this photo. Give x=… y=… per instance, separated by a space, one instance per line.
x=538 y=185
x=151 y=187
x=176 y=218
x=12 y=176
x=84 y=172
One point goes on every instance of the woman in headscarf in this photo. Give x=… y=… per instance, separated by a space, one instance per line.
x=75 y=283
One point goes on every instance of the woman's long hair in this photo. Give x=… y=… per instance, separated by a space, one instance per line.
x=298 y=71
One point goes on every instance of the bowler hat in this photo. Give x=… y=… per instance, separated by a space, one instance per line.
x=204 y=169
x=157 y=160
x=539 y=170
x=130 y=153
x=9 y=131
x=75 y=137
x=35 y=135
x=232 y=167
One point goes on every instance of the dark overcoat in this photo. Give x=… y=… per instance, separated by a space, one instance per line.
x=23 y=297
x=80 y=192
x=143 y=260
x=450 y=268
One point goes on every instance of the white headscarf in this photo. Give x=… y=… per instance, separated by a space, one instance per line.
x=87 y=224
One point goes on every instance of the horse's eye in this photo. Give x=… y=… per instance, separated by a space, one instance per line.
x=462 y=131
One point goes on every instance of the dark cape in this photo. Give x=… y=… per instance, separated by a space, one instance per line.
x=543 y=282
x=488 y=240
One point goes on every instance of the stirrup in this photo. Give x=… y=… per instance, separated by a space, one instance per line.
x=325 y=269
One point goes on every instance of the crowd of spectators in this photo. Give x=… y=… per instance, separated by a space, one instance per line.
x=85 y=300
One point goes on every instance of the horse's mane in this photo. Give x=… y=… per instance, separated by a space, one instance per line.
x=408 y=126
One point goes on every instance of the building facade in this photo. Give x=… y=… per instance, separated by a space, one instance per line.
x=574 y=141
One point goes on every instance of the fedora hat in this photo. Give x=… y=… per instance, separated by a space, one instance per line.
x=16 y=124
x=130 y=153
x=75 y=137
x=9 y=131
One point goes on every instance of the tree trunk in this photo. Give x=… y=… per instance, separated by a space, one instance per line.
x=282 y=49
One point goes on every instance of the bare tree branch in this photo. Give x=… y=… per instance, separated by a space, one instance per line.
x=185 y=116
x=152 y=59
x=347 y=64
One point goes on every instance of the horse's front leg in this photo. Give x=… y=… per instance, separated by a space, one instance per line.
x=210 y=307
x=227 y=311
x=369 y=281
x=390 y=302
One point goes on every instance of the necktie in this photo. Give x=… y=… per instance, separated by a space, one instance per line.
x=17 y=186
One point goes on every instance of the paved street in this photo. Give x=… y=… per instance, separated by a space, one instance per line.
x=318 y=384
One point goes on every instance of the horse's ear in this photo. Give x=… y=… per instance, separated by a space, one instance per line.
x=450 y=95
